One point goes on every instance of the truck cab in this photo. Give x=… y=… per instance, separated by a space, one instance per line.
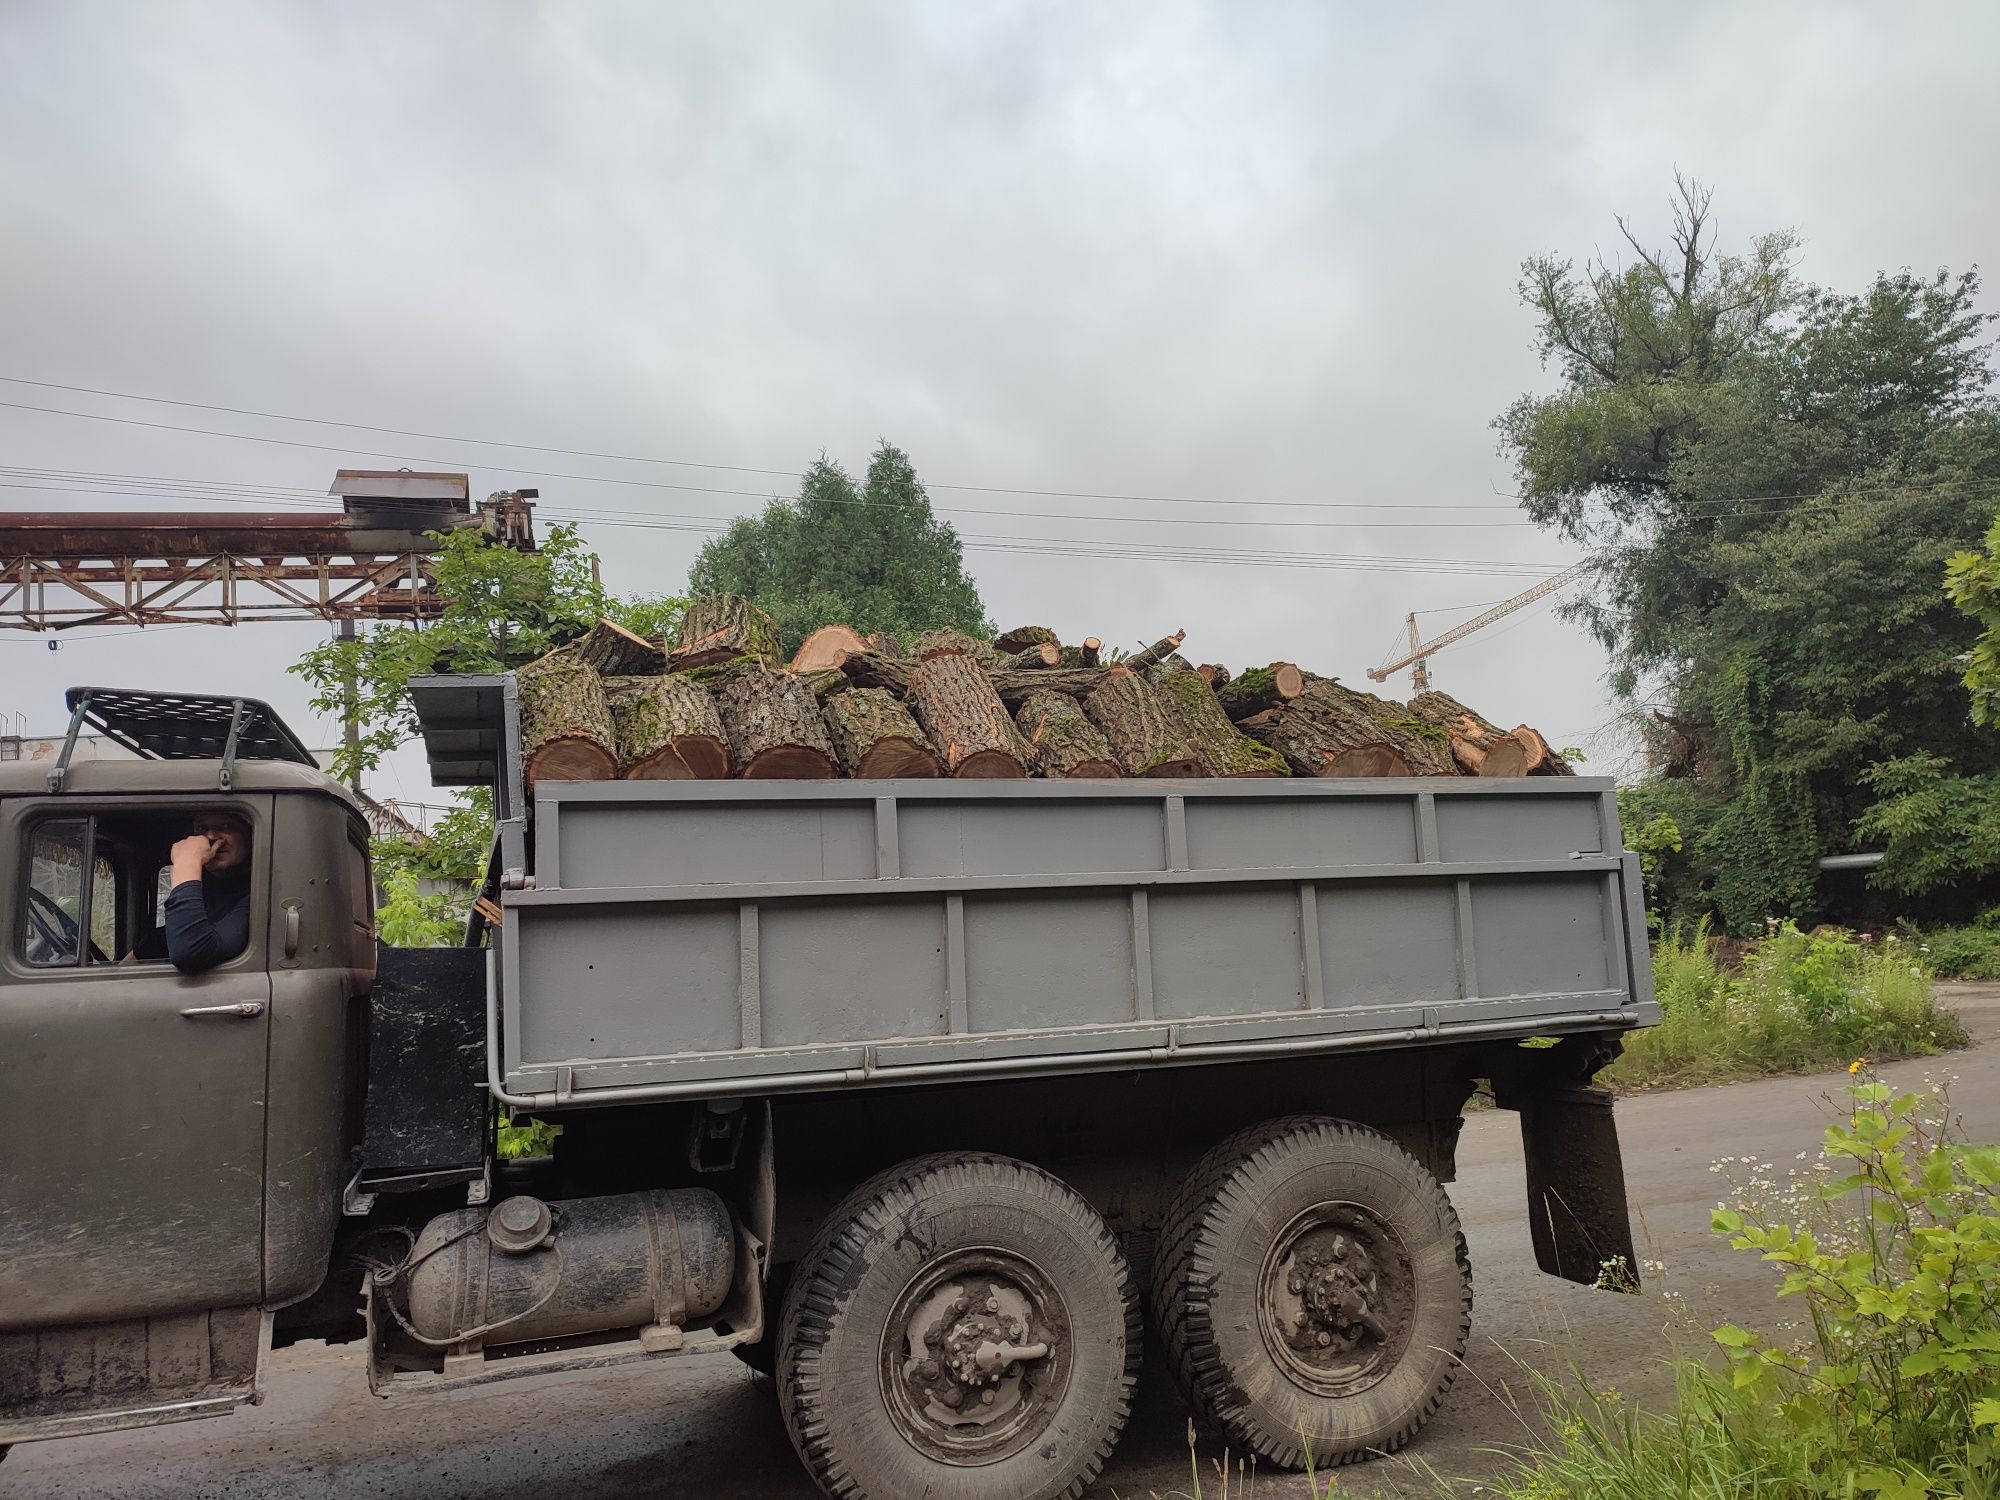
x=179 y=1141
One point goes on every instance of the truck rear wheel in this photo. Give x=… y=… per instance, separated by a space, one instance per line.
x=963 y=1328
x=1312 y=1289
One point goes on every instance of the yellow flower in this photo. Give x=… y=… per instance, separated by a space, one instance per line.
x=1857 y=1065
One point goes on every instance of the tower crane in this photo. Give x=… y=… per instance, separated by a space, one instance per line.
x=1419 y=652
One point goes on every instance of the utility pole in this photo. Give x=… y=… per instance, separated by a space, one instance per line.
x=350 y=701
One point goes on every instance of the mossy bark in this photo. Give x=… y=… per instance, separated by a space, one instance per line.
x=1223 y=749
x=1330 y=730
x=668 y=729
x=774 y=726
x=721 y=627
x=875 y=736
x=1153 y=655
x=968 y=725
x=1021 y=637
x=566 y=729
x=1066 y=744
x=1141 y=727
x=1031 y=658
x=1259 y=689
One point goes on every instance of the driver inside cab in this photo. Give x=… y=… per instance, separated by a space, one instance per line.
x=208 y=908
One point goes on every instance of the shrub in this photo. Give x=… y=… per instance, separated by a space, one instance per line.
x=1801 y=1001
x=1962 y=952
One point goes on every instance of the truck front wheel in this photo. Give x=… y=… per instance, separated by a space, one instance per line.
x=1312 y=1290
x=963 y=1328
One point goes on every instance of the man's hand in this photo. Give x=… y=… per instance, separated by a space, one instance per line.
x=190 y=857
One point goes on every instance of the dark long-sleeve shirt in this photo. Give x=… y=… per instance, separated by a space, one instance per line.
x=208 y=923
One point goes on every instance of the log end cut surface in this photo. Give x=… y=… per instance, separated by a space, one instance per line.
x=571 y=759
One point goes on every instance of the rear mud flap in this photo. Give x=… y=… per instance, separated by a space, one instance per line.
x=1576 y=1187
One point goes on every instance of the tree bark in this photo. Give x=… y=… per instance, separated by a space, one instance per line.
x=935 y=643
x=1031 y=658
x=1138 y=722
x=1214 y=673
x=1260 y=688
x=827 y=646
x=667 y=729
x=1078 y=682
x=875 y=736
x=1153 y=655
x=1021 y=637
x=965 y=719
x=610 y=650
x=1330 y=730
x=1478 y=745
x=1541 y=759
x=566 y=730
x=1087 y=652
x=1223 y=750
x=1065 y=742
x=722 y=627
x=885 y=645
x=774 y=726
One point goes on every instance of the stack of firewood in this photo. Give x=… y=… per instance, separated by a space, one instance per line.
x=721 y=700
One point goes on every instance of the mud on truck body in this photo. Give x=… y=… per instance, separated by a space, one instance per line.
x=914 y=1094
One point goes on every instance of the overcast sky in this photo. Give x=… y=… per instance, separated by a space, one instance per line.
x=1244 y=252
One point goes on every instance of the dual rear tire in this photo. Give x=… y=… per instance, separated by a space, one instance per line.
x=965 y=1327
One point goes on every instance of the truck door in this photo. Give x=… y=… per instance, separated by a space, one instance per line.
x=134 y=1114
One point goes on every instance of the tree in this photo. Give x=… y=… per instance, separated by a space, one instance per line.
x=1972 y=582
x=1774 y=475
x=873 y=557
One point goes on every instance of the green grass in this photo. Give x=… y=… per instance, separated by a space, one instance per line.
x=1800 y=1003
x=1971 y=952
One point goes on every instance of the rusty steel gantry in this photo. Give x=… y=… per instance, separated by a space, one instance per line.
x=61 y=570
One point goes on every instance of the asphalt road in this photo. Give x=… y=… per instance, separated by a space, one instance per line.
x=704 y=1428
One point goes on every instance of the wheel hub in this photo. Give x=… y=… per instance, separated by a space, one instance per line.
x=974 y=1357
x=1338 y=1294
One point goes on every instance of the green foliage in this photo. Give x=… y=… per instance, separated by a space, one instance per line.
x=1934 y=827
x=873 y=557
x=452 y=859
x=1773 y=476
x=1666 y=823
x=1968 y=952
x=1972 y=582
x=522 y=1138
x=502 y=607
x=1893 y=1247
x=1800 y=1002
x=410 y=917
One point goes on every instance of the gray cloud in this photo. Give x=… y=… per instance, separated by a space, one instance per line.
x=1251 y=251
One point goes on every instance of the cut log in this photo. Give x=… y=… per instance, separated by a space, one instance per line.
x=1478 y=745
x=1223 y=750
x=566 y=730
x=1023 y=636
x=1138 y=722
x=1261 y=688
x=876 y=669
x=1031 y=658
x=967 y=723
x=1078 y=682
x=875 y=736
x=827 y=646
x=935 y=643
x=1542 y=760
x=774 y=726
x=610 y=650
x=721 y=627
x=667 y=729
x=1330 y=730
x=885 y=645
x=1065 y=742
x=1214 y=673
x=1087 y=652
x=1153 y=655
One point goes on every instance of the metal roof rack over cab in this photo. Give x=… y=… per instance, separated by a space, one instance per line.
x=180 y=726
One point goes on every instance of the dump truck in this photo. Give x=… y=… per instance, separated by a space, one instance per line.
x=919 y=1096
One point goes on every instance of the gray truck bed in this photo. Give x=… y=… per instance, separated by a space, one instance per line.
x=712 y=938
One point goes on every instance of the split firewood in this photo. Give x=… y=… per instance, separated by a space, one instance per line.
x=1153 y=655
x=610 y=650
x=1542 y=759
x=1031 y=658
x=827 y=646
x=774 y=726
x=1022 y=637
x=1330 y=730
x=722 y=627
x=1139 y=724
x=1478 y=745
x=566 y=729
x=954 y=701
x=1260 y=688
x=667 y=728
x=1224 y=751
x=1065 y=742
x=935 y=643
x=875 y=736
